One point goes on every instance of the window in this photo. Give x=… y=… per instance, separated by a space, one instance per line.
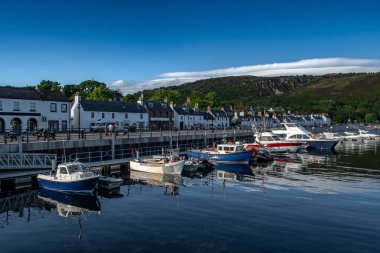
x=102 y=115
x=63 y=170
x=16 y=106
x=64 y=125
x=1 y=105
x=53 y=107
x=32 y=106
x=113 y=115
x=43 y=119
x=141 y=116
x=126 y=115
x=92 y=115
x=63 y=107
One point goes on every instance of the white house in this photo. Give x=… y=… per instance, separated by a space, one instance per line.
x=85 y=113
x=219 y=118
x=187 y=118
x=28 y=109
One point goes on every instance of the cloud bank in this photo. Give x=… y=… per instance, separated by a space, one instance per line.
x=303 y=67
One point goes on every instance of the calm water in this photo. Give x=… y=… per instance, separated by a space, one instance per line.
x=306 y=203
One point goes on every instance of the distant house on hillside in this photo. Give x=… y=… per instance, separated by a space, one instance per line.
x=219 y=118
x=28 y=109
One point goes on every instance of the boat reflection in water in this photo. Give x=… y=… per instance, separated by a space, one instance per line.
x=171 y=182
x=239 y=172
x=70 y=205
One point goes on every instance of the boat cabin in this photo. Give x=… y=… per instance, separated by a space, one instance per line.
x=67 y=169
x=229 y=148
x=268 y=137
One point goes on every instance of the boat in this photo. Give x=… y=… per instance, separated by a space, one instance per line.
x=298 y=133
x=333 y=136
x=230 y=153
x=160 y=164
x=70 y=177
x=367 y=135
x=274 y=143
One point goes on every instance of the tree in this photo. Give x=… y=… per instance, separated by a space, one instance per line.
x=212 y=99
x=129 y=98
x=370 y=117
x=101 y=93
x=47 y=85
x=87 y=87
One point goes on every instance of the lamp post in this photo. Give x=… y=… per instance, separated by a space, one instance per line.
x=79 y=120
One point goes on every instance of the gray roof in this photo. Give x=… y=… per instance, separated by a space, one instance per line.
x=157 y=106
x=31 y=94
x=111 y=106
x=183 y=110
x=219 y=113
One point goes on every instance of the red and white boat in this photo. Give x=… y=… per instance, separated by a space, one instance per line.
x=274 y=143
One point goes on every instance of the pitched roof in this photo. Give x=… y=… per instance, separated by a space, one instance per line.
x=219 y=113
x=31 y=94
x=183 y=110
x=208 y=116
x=156 y=106
x=111 y=106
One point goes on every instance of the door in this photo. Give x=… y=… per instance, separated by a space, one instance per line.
x=54 y=124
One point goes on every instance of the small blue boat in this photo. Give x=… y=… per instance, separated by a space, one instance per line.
x=70 y=177
x=223 y=154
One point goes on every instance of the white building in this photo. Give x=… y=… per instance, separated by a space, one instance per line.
x=28 y=109
x=219 y=118
x=85 y=113
x=187 y=118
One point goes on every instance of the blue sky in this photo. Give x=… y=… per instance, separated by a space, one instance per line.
x=137 y=41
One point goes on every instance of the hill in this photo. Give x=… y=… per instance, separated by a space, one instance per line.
x=343 y=96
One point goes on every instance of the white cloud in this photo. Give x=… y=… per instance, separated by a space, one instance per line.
x=303 y=67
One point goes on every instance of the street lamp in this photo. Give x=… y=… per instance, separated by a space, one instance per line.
x=79 y=120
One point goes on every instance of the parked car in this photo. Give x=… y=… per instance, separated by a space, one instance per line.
x=100 y=126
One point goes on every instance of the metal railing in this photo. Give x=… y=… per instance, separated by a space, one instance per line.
x=27 y=161
x=10 y=136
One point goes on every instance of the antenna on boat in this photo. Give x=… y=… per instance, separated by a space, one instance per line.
x=64 y=149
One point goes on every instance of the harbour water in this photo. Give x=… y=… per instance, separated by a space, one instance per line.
x=304 y=203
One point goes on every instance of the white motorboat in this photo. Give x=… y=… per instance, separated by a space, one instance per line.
x=298 y=133
x=367 y=135
x=274 y=143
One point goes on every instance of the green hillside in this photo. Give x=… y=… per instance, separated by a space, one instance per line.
x=343 y=96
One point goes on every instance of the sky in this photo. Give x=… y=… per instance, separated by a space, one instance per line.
x=134 y=45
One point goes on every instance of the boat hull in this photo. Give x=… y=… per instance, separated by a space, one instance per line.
x=292 y=147
x=215 y=158
x=167 y=168
x=321 y=144
x=85 y=185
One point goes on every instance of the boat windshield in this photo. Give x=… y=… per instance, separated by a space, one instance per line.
x=75 y=168
x=276 y=138
x=239 y=148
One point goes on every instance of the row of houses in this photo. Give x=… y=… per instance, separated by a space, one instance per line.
x=27 y=108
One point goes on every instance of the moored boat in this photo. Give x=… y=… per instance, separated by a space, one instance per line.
x=274 y=143
x=70 y=177
x=163 y=165
x=224 y=153
x=299 y=134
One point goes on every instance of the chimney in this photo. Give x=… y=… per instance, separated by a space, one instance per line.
x=208 y=108
x=235 y=115
x=222 y=108
x=188 y=101
x=166 y=99
x=196 y=107
x=77 y=98
x=62 y=91
x=171 y=104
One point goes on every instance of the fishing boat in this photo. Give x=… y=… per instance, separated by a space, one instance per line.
x=274 y=143
x=70 y=177
x=160 y=164
x=230 y=153
x=298 y=133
